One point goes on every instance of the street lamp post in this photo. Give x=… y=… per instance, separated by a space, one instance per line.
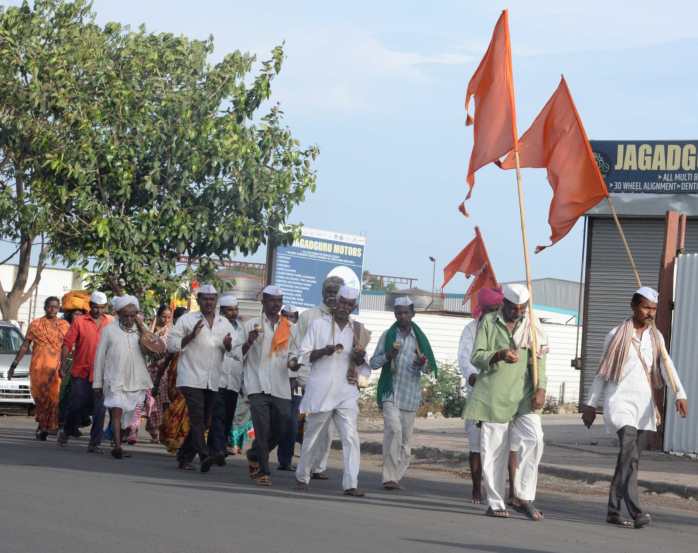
x=433 y=279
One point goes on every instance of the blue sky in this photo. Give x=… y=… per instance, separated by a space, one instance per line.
x=379 y=87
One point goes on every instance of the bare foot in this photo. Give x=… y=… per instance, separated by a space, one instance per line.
x=477 y=497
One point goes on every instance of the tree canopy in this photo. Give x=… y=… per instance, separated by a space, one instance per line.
x=159 y=153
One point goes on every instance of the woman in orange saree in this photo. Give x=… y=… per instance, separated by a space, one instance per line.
x=45 y=336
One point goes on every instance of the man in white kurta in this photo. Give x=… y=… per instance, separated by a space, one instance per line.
x=121 y=374
x=331 y=392
x=202 y=339
x=266 y=375
x=231 y=381
x=330 y=290
x=625 y=388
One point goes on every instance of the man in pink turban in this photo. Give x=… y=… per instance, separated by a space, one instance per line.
x=488 y=300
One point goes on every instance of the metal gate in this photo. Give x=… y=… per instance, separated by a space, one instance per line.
x=681 y=435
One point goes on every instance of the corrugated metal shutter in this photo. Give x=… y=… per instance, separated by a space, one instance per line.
x=610 y=281
x=681 y=435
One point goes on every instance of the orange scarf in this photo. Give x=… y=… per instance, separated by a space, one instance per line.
x=282 y=334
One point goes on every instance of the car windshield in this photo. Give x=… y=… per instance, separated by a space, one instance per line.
x=10 y=340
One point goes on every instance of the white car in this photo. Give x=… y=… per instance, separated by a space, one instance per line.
x=15 y=392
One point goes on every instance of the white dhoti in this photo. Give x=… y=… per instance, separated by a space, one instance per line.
x=398 y=425
x=472 y=430
x=526 y=440
x=526 y=436
x=314 y=447
x=126 y=401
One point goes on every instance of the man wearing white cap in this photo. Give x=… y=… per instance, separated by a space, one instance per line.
x=335 y=350
x=121 y=375
x=504 y=401
x=330 y=292
x=202 y=339
x=631 y=369
x=404 y=354
x=231 y=381
x=266 y=373
x=82 y=340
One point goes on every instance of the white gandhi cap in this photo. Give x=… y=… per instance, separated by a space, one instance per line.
x=348 y=293
x=228 y=300
x=516 y=293
x=206 y=289
x=402 y=301
x=98 y=298
x=648 y=293
x=272 y=290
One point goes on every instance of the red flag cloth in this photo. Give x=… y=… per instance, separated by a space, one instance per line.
x=469 y=261
x=492 y=85
x=485 y=279
x=557 y=141
x=472 y=261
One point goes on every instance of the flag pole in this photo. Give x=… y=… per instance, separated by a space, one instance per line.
x=532 y=318
x=668 y=364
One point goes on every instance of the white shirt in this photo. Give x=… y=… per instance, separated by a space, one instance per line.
x=465 y=350
x=306 y=318
x=201 y=361
x=629 y=403
x=231 y=372
x=119 y=362
x=327 y=388
x=265 y=372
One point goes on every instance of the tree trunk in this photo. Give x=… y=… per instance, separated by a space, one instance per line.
x=11 y=301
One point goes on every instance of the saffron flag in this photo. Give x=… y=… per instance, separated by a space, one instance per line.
x=492 y=86
x=557 y=141
x=472 y=261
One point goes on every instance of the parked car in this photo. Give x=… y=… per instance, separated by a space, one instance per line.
x=15 y=392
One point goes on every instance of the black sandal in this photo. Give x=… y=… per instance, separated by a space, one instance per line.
x=499 y=513
x=529 y=509
x=618 y=520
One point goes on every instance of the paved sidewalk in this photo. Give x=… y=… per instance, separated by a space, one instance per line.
x=571 y=451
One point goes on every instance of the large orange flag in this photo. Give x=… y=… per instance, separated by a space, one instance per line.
x=557 y=141
x=472 y=261
x=492 y=85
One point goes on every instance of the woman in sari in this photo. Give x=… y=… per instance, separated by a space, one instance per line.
x=155 y=406
x=45 y=336
x=174 y=425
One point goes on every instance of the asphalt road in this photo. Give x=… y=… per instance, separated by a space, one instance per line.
x=64 y=500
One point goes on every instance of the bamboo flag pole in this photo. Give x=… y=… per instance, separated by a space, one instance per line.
x=532 y=318
x=668 y=363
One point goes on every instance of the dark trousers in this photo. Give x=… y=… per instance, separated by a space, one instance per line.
x=81 y=399
x=624 y=483
x=200 y=404
x=222 y=421
x=287 y=445
x=270 y=419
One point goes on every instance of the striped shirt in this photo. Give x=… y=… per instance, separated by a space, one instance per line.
x=407 y=389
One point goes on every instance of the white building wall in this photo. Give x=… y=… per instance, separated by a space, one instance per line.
x=444 y=334
x=54 y=282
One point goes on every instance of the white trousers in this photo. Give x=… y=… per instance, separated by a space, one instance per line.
x=324 y=444
x=398 y=425
x=314 y=448
x=524 y=436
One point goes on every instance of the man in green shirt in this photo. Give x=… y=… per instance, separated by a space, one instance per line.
x=504 y=401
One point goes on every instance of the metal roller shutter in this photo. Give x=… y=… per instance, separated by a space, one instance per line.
x=610 y=281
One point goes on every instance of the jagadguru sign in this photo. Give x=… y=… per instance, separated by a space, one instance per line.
x=648 y=167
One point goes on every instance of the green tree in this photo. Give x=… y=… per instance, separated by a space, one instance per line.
x=44 y=52
x=167 y=156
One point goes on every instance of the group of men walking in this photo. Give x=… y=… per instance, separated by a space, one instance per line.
x=314 y=368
